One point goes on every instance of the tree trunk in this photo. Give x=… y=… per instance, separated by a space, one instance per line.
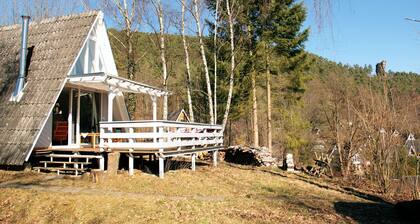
x=232 y=67
x=187 y=63
x=163 y=59
x=338 y=140
x=204 y=58
x=254 y=93
x=269 y=133
x=215 y=59
x=131 y=104
x=254 y=110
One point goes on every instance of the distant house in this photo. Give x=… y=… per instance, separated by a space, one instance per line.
x=60 y=93
x=413 y=145
x=179 y=115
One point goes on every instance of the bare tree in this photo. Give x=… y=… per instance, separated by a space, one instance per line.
x=187 y=61
x=196 y=15
x=160 y=13
x=216 y=20
x=127 y=17
x=232 y=61
x=37 y=9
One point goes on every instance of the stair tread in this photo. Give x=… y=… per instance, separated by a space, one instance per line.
x=66 y=162
x=59 y=168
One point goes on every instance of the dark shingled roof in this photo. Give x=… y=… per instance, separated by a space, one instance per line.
x=56 y=43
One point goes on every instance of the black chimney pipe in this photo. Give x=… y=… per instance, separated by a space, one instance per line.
x=20 y=82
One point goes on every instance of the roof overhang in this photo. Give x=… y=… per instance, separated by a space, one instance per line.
x=107 y=82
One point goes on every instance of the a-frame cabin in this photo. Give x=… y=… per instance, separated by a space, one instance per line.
x=60 y=94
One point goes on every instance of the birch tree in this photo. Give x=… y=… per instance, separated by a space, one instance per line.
x=254 y=93
x=160 y=14
x=232 y=63
x=216 y=20
x=126 y=15
x=196 y=15
x=187 y=61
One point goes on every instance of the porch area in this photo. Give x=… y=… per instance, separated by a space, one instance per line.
x=91 y=123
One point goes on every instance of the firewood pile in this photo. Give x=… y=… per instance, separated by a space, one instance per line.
x=246 y=155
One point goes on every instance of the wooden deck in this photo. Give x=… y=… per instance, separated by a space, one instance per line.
x=162 y=138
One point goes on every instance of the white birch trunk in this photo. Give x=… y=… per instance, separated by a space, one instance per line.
x=204 y=58
x=163 y=58
x=187 y=63
x=215 y=59
x=232 y=68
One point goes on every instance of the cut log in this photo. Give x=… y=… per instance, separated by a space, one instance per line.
x=113 y=163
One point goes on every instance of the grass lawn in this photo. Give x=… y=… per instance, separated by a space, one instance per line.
x=226 y=194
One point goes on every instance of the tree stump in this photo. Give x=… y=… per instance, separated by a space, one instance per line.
x=113 y=163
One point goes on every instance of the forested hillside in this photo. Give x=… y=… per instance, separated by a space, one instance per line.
x=304 y=100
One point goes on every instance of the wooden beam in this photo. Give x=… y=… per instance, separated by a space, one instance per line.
x=70 y=119
x=78 y=140
x=111 y=96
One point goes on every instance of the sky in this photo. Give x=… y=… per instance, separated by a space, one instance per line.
x=353 y=32
x=366 y=32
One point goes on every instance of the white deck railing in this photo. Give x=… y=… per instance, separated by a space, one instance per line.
x=158 y=135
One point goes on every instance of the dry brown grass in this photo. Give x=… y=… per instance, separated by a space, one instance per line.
x=225 y=194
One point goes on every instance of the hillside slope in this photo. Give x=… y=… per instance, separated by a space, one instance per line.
x=227 y=194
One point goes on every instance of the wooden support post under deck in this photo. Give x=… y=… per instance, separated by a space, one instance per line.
x=193 y=161
x=215 y=153
x=102 y=163
x=161 y=166
x=130 y=165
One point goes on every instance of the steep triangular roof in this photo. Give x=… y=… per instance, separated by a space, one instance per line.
x=56 y=43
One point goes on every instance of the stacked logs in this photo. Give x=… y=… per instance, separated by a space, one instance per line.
x=247 y=155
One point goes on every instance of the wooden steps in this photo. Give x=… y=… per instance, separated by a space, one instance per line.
x=75 y=171
x=65 y=163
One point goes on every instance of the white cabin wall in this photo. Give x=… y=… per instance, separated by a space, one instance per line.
x=45 y=139
x=96 y=55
